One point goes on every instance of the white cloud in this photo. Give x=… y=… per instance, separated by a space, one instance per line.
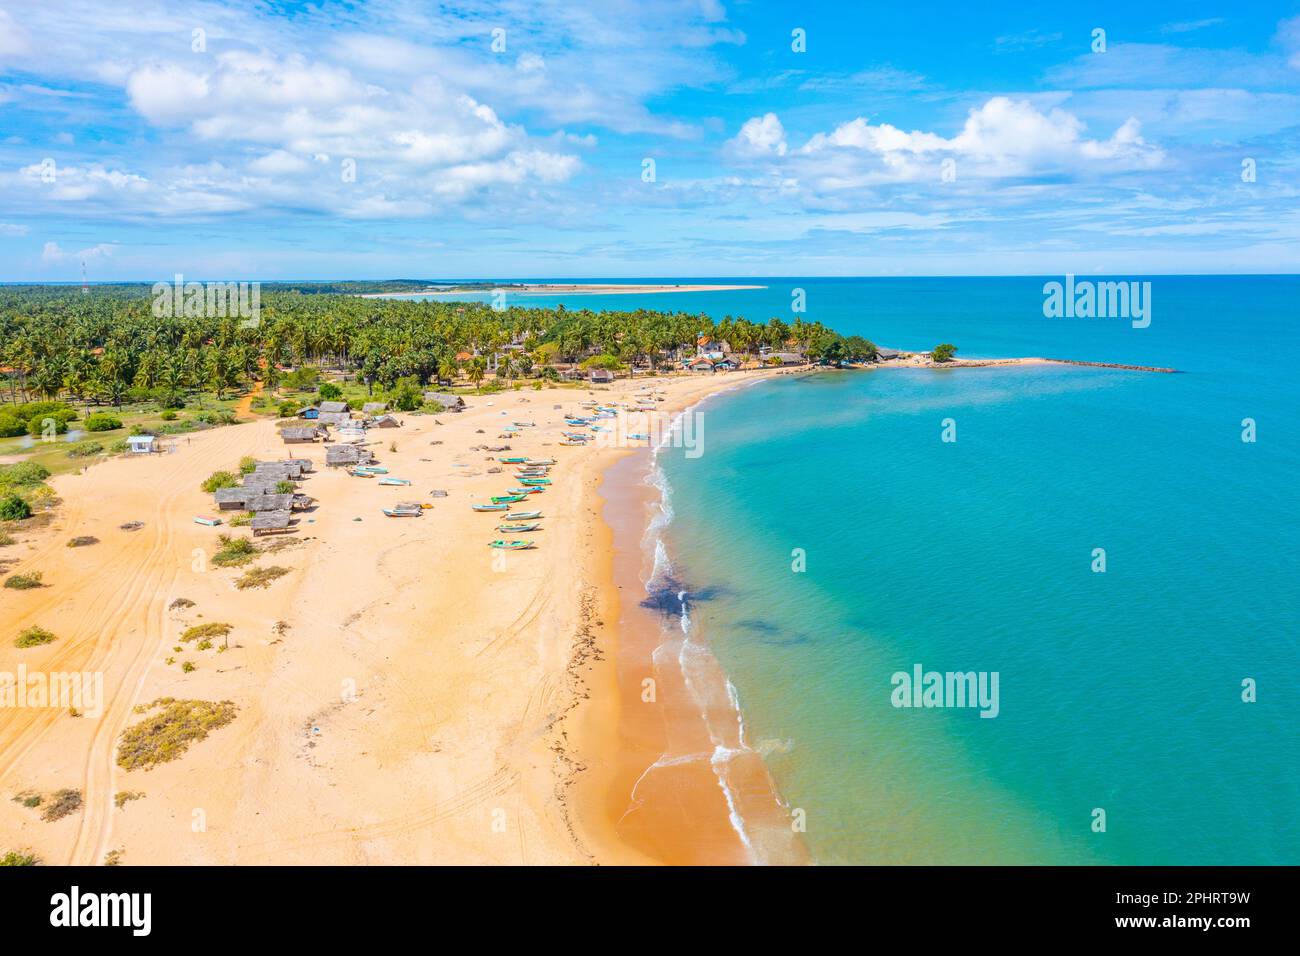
x=762 y=135
x=52 y=253
x=13 y=229
x=1003 y=138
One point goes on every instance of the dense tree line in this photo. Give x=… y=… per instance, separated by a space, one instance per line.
x=107 y=345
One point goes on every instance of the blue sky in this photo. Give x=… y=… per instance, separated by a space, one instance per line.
x=500 y=139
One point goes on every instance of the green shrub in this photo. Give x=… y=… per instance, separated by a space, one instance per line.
x=24 y=582
x=85 y=449
x=260 y=577
x=6 y=539
x=34 y=637
x=102 y=423
x=13 y=508
x=943 y=353
x=220 y=479
x=23 y=474
x=206 y=631
x=168 y=415
x=285 y=488
x=167 y=735
x=16 y=858
x=63 y=803
x=123 y=797
x=289 y=409
x=38 y=424
x=234 y=552
x=329 y=392
x=188 y=667
x=247 y=465
x=11 y=427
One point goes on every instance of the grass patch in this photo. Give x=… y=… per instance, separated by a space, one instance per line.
x=234 y=552
x=200 y=632
x=24 y=582
x=82 y=541
x=123 y=797
x=242 y=520
x=14 y=508
x=6 y=539
x=62 y=803
x=247 y=465
x=85 y=449
x=19 y=858
x=34 y=637
x=188 y=667
x=180 y=604
x=220 y=479
x=167 y=734
x=260 y=577
x=28 y=799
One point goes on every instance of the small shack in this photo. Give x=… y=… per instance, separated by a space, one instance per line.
x=231 y=499
x=141 y=444
x=328 y=408
x=371 y=409
x=337 y=419
x=271 y=521
x=600 y=376
x=311 y=413
x=448 y=402
x=260 y=503
x=298 y=436
x=886 y=355
x=339 y=456
x=386 y=421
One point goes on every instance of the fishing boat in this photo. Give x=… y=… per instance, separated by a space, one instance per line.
x=404 y=511
x=637 y=436
x=521 y=493
x=512 y=545
x=512 y=461
x=573 y=443
x=373 y=469
x=394 y=481
x=517 y=528
x=540 y=461
x=207 y=520
x=360 y=474
x=523 y=515
x=534 y=482
x=523 y=425
x=491 y=508
x=507 y=499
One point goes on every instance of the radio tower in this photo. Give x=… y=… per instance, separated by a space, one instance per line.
x=85 y=289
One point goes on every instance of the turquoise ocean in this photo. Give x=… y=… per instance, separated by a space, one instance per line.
x=1119 y=691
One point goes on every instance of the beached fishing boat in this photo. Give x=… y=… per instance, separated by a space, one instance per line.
x=491 y=508
x=372 y=469
x=524 y=492
x=517 y=528
x=540 y=461
x=512 y=545
x=573 y=443
x=207 y=520
x=531 y=482
x=524 y=425
x=637 y=436
x=523 y=515
x=360 y=474
x=512 y=461
x=404 y=512
x=394 y=481
x=507 y=499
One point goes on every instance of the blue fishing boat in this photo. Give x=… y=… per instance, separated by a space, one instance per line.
x=523 y=515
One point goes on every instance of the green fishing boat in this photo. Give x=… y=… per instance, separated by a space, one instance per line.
x=512 y=545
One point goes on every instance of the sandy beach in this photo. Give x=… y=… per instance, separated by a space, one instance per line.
x=560 y=288
x=405 y=694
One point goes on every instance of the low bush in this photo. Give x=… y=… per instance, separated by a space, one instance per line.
x=260 y=577
x=82 y=541
x=168 y=734
x=220 y=479
x=62 y=803
x=24 y=582
x=14 y=508
x=85 y=449
x=102 y=423
x=234 y=552
x=206 y=631
x=34 y=637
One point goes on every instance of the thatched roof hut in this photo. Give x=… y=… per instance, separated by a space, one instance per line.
x=271 y=521
x=335 y=407
x=339 y=455
x=260 y=503
x=387 y=421
x=336 y=418
x=293 y=436
x=370 y=409
x=231 y=499
x=449 y=403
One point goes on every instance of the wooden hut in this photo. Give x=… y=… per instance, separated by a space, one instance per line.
x=271 y=521
x=386 y=421
x=231 y=499
x=260 y=503
x=337 y=456
x=333 y=407
x=449 y=403
x=371 y=409
x=297 y=436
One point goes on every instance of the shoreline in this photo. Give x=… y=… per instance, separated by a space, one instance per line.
x=489 y=689
x=560 y=288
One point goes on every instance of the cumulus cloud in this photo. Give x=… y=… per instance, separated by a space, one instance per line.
x=1003 y=138
x=53 y=253
x=13 y=229
x=762 y=135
